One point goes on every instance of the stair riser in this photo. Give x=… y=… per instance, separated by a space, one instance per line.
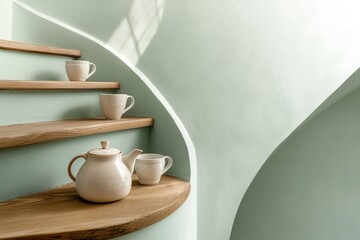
x=31 y=66
x=39 y=106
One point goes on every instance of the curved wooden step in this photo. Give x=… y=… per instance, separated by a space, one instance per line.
x=30 y=133
x=24 y=47
x=61 y=214
x=56 y=85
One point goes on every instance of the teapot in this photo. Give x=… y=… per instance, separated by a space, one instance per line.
x=106 y=175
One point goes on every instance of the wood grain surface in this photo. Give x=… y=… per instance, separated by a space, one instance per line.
x=24 y=47
x=30 y=133
x=61 y=214
x=56 y=85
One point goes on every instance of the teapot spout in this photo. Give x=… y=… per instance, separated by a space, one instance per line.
x=130 y=158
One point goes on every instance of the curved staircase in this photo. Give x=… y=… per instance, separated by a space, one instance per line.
x=41 y=115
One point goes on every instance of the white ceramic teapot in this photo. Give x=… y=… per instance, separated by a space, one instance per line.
x=106 y=175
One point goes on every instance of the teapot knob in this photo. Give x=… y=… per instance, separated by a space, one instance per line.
x=105 y=144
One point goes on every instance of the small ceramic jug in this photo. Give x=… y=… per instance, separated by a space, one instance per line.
x=106 y=175
x=79 y=70
x=150 y=167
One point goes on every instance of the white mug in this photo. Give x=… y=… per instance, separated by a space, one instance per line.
x=150 y=167
x=113 y=106
x=79 y=70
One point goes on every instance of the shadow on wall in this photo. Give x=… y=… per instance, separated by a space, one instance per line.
x=310 y=186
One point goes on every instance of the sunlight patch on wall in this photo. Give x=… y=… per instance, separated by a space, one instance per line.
x=6 y=19
x=135 y=32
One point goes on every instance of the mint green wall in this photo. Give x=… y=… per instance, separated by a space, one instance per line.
x=241 y=75
x=5 y=19
x=309 y=187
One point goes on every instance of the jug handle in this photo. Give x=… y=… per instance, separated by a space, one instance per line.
x=168 y=164
x=71 y=162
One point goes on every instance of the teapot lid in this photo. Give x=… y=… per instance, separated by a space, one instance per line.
x=105 y=150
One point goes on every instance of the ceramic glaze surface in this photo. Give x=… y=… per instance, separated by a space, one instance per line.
x=150 y=167
x=104 y=177
x=113 y=106
x=98 y=187
x=78 y=70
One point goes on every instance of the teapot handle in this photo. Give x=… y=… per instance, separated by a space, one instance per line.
x=71 y=162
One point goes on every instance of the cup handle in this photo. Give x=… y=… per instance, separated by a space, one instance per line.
x=132 y=102
x=92 y=69
x=71 y=162
x=168 y=164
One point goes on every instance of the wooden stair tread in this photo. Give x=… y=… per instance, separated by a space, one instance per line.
x=24 y=47
x=30 y=133
x=60 y=214
x=56 y=85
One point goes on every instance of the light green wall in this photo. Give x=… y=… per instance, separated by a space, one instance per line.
x=5 y=19
x=32 y=66
x=309 y=187
x=241 y=75
x=28 y=106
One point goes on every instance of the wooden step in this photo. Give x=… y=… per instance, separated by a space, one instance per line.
x=24 y=47
x=60 y=214
x=30 y=133
x=56 y=85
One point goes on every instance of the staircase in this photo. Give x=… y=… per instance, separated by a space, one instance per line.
x=53 y=120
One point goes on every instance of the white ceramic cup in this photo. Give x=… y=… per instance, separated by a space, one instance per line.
x=79 y=70
x=150 y=167
x=113 y=106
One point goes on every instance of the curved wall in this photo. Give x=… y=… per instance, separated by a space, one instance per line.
x=309 y=187
x=5 y=19
x=241 y=75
